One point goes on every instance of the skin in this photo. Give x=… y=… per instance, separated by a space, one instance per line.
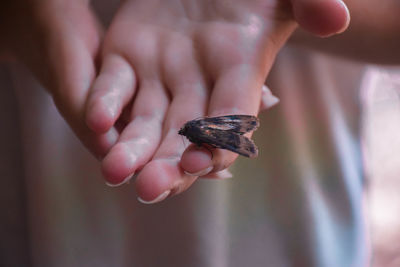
x=64 y=41
x=176 y=62
x=160 y=66
x=372 y=36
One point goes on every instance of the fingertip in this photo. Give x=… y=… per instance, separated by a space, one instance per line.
x=100 y=117
x=112 y=90
x=159 y=198
x=322 y=18
x=118 y=164
x=160 y=176
x=197 y=161
x=152 y=183
x=346 y=14
x=223 y=159
x=124 y=181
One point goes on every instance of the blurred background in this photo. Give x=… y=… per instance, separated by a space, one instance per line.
x=381 y=98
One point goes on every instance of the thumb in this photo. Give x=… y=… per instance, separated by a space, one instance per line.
x=322 y=18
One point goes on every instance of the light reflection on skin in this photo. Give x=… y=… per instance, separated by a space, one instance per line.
x=109 y=101
x=140 y=144
x=254 y=26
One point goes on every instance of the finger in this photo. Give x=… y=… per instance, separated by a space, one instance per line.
x=64 y=63
x=98 y=144
x=164 y=172
x=237 y=91
x=322 y=18
x=70 y=98
x=196 y=157
x=234 y=93
x=110 y=93
x=140 y=138
x=189 y=94
x=197 y=160
x=71 y=104
x=170 y=180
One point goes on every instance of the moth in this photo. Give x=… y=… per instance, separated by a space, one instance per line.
x=225 y=132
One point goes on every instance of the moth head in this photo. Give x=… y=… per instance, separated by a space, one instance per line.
x=182 y=131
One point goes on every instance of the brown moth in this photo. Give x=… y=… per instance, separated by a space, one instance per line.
x=225 y=132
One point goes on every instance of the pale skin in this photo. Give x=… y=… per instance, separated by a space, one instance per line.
x=162 y=64
x=187 y=62
x=58 y=41
x=190 y=59
x=373 y=34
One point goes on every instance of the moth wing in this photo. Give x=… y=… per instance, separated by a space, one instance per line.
x=236 y=123
x=229 y=140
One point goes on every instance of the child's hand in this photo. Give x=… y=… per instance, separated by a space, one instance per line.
x=163 y=63
x=58 y=41
x=167 y=62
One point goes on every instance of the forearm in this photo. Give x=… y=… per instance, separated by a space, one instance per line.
x=373 y=34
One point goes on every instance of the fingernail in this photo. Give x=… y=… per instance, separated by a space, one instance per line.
x=224 y=174
x=348 y=17
x=157 y=199
x=200 y=173
x=126 y=180
x=268 y=99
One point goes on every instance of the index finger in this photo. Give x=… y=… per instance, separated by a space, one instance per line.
x=234 y=93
